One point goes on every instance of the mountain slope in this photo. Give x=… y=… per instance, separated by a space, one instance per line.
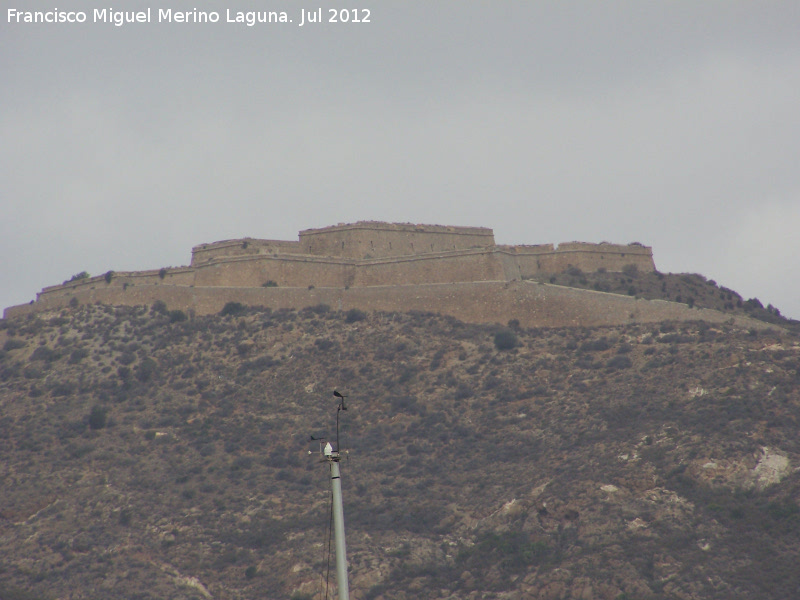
x=146 y=455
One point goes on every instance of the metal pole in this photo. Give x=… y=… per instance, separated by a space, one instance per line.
x=338 y=527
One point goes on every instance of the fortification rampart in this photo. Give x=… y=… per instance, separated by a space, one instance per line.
x=175 y=276
x=305 y=270
x=281 y=270
x=359 y=255
x=372 y=253
x=533 y=304
x=591 y=257
x=458 y=266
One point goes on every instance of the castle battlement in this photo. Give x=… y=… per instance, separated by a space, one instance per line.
x=382 y=226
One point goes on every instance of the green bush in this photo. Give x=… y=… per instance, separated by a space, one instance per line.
x=783 y=510
x=9 y=592
x=505 y=339
x=325 y=344
x=620 y=361
x=98 y=417
x=146 y=369
x=595 y=345
x=159 y=307
x=13 y=344
x=269 y=283
x=33 y=372
x=353 y=315
x=319 y=309
x=63 y=388
x=630 y=270
x=233 y=309
x=78 y=277
x=109 y=276
x=176 y=316
x=78 y=355
x=46 y=354
x=752 y=304
x=516 y=550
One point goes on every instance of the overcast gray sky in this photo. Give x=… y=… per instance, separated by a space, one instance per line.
x=674 y=124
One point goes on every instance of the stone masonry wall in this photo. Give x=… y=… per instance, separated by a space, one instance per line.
x=365 y=240
x=242 y=247
x=304 y=271
x=591 y=257
x=533 y=304
x=526 y=262
x=454 y=267
x=294 y=270
x=359 y=255
x=283 y=270
x=182 y=276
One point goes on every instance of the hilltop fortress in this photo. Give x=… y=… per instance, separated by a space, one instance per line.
x=369 y=254
x=371 y=265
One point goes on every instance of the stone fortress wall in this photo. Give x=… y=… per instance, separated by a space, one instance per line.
x=366 y=240
x=383 y=266
x=370 y=253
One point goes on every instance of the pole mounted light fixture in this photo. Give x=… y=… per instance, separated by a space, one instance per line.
x=332 y=457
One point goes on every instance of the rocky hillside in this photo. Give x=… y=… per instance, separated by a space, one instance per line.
x=147 y=455
x=691 y=289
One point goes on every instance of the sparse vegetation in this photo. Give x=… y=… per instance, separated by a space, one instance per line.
x=690 y=288
x=354 y=315
x=159 y=307
x=78 y=277
x=139 y=441
x=98 y=417
x=13 y=344
x=233 y=309
x=78 y=355
x=630 y=270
